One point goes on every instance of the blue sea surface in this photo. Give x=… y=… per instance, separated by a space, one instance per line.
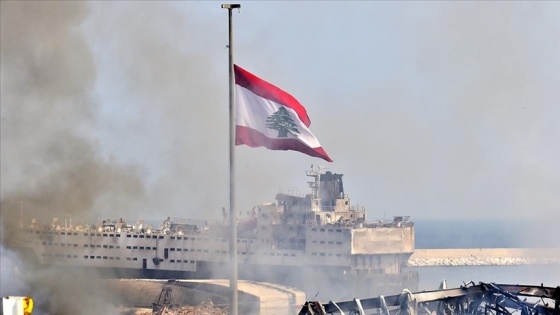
x=487 y=234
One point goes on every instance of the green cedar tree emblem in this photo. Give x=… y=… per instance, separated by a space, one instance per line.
x=283 y=122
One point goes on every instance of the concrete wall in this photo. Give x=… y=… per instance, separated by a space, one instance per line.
x=383 y=241
x=484 y=256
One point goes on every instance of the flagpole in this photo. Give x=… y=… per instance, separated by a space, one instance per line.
x=232 y=217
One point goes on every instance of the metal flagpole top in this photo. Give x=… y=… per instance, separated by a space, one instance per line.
x=231 y=6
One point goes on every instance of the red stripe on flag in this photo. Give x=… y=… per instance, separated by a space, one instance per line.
x=264 y=89
x=253 y=138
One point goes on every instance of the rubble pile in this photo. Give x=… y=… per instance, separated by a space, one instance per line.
x=204 y=309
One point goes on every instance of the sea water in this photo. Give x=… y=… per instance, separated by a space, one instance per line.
x=487 y=234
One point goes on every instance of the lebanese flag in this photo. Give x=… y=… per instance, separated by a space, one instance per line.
x=268 y=117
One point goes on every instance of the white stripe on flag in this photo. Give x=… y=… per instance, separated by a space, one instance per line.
x=253 y=110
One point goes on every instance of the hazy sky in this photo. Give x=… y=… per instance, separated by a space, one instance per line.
x=429 y=109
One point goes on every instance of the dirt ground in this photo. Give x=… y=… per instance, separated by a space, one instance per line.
x=204 y=309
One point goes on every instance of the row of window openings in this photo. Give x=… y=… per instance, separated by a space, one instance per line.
x=323 y=230
x=274 y=254
x=224 y=252
x=85 y=256
x=250 y=253
x=61 y=244
x=53 y=233
x=172 y=249
x=186 y=250
x=102 y=257
x=128 y=258
x=223 y=240
x=193 y=238
x=323 y=242
x=75 y=233
x=323 y=254
x=128 y=247
x=243 y=253
x=141 y=247
x=161 y=236
x=59 y=255
x=154 y=248
x=128 y=235
x=118 y=258
x=85 y=245
x=112 y=258
x=144 y=236
x=104 y=246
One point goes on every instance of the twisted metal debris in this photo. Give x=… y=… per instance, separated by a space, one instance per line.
x=484 y=298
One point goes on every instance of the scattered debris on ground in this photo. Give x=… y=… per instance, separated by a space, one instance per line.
x=206 y=308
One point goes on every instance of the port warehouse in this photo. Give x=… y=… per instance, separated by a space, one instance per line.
x=182 y=252
x=174 y=252
x=319 y=235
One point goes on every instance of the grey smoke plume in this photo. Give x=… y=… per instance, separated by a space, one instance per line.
x=50 y=164
x=171 y=99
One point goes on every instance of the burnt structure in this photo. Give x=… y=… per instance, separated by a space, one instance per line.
x=484 y=298
x=309 y=242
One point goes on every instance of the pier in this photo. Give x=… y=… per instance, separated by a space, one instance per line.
x=484 y=257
